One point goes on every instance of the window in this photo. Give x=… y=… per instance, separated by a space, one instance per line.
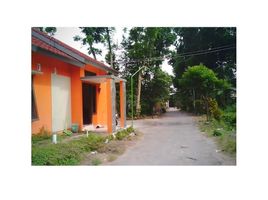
x=34 y=109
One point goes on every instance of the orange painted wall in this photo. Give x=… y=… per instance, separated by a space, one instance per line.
x=42 y=88
x=102 y=104
x=76 y=96
x=95 y=70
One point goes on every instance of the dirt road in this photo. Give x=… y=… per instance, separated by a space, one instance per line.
x=173 y=139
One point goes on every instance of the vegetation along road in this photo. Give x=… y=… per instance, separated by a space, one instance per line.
x=173 y=139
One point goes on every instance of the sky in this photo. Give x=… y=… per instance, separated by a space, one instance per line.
x=66 y=34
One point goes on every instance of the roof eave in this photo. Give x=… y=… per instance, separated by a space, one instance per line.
x=72 y=54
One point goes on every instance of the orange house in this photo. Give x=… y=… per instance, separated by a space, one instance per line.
x=69 y=87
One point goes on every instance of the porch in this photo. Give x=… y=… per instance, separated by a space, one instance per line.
x=104 y=117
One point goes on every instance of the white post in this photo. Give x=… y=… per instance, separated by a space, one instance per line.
x=54 y=138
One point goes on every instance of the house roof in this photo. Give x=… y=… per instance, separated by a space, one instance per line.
x=44 y=41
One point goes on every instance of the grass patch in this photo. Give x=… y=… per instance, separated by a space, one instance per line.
x=222 y=131
x=73 y=151
x=69 y=153
x=120 y=135
x=111 y=158
x=228 y=143
x=96 y=161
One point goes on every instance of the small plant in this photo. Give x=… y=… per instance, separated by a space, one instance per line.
x=229 y=117
x=130 y=129
x=67 y=132
x=120 y=135
x=109 y=137
x=217 y=132
x=96 y=161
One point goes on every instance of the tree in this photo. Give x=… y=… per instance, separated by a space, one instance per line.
x=156 y=90
x=49 y=30
x=92 y=35
x=200 y=83
x=95 y=35
x=214 y=47
x=110 y=54
x=141 y=48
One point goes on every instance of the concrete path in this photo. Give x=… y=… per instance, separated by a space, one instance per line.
x=172 y=139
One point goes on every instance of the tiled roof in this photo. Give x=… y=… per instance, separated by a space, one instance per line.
x=44 y=45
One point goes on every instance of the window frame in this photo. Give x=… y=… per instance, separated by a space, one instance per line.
x=33 y=98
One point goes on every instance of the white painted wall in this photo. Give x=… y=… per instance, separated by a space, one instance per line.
x=61 y=102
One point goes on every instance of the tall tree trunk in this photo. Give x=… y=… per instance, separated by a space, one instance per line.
x=207 y=109
x=194 y=101
x=138 y=105
x=110 y=47
x=92 y=51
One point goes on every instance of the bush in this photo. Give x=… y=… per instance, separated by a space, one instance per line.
x=229 y=116
x=214 y=110
x=217 y=132
x=130 y=129
x=120 y=135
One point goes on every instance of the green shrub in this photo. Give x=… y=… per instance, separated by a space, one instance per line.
x=120 y=135
x=214 y=110
x=217 y=132
x=130 y=129
x=230 y=119
x=109 y=137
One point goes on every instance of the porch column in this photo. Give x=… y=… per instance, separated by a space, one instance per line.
x=111 y=94
x=122 y=104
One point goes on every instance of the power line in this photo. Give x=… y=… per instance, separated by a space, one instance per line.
x=210 y=49
x=201 y=53
x=186 y=54
x=183 y=54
